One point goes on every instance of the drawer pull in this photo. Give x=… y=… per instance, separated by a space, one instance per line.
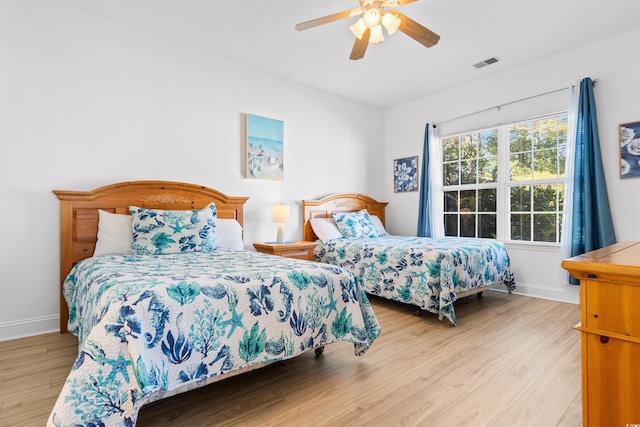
x=592 y=276
x=604 y=339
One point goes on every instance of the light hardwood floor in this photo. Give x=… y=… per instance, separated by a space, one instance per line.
x=511 y=361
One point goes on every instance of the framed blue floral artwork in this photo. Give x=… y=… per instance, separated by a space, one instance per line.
x=405 y=174
x=630 y=149
x=265 y=154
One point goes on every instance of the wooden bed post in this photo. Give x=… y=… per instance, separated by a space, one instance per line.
x=65 y=258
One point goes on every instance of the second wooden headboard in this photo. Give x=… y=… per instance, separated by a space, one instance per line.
x=342 y=202
x=79 y=214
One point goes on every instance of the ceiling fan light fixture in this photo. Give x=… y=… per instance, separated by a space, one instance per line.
x=390 y=22
x=367 y=28
x=358 y=28
x=376 y=35
x=371 y=17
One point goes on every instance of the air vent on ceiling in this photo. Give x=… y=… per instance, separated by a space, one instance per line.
x=486 y=62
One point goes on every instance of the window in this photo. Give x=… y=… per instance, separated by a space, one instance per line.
x=506 y=182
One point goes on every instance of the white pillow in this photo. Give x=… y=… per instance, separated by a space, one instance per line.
x=325 y=229
x=114 y=234
x=376 y=221
x=228 y=234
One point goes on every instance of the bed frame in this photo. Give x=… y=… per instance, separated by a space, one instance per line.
x=79 y=215
x=342 y=202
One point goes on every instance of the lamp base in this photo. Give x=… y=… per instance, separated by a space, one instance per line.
x=280 y=235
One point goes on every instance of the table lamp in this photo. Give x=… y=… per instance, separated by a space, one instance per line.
x=280 y=215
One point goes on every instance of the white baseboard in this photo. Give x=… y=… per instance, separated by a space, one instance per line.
x=29 y=327
x=564 y=293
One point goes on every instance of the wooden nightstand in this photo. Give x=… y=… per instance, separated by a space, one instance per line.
x=298 y=249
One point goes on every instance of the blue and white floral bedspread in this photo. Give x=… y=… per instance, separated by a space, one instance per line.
x=151 y=326
x=421 y=271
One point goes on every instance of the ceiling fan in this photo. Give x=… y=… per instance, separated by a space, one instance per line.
x=368 y=28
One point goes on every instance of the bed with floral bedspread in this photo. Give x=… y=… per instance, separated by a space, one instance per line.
x=428 y=273
x=150 y=326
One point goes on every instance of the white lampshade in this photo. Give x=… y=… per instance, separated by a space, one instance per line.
x=376 y=35
x=371 y=17
x=391 y=22
x=358 y=28
x=280 y=213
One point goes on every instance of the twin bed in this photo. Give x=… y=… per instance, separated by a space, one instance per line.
x=163 y=298
x=182 y=312
x=428 y=273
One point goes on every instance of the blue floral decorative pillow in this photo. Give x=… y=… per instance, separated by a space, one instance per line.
x=157 y=231
x=356 y=225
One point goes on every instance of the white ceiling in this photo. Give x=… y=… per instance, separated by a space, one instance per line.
x=261 y=33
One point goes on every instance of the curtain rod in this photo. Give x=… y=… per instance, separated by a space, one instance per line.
x=507 y=103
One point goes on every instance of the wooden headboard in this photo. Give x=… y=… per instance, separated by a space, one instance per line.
x=79 y=215
x=343 y=202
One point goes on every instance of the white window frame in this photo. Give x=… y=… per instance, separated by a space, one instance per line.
x=503 y=206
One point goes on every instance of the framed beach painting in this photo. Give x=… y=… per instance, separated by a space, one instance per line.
x=405 y=174
x=630 y=149
x=264 y=148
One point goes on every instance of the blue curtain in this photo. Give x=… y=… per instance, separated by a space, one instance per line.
x=424 y=220
x=592 y=226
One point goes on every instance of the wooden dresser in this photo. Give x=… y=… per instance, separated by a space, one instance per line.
x=610 y=328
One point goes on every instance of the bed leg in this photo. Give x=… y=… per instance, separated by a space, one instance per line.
x=418 y=313
x=479 y=294
x=319 y=351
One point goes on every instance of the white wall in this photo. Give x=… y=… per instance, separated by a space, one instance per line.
x=87 y=102
x=612 y=61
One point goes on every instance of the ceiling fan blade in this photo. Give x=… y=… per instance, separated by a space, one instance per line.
x=360 y=46
x=419 y=33
x=324 y=20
